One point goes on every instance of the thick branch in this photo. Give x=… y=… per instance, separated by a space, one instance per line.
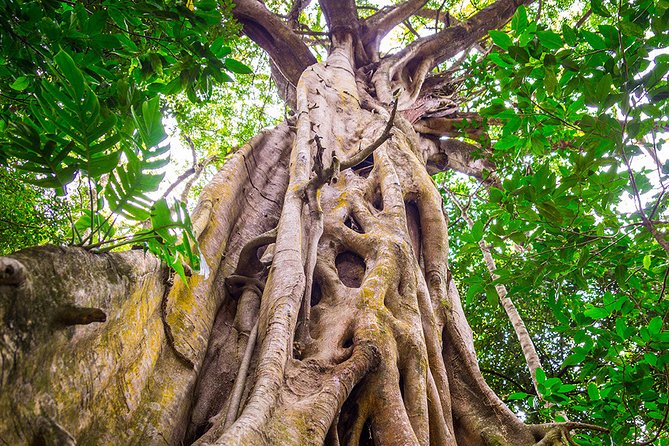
x=462 y=157
x=417 y=59
x=379 y=24
x=470 y=125
x=295 y=11
x=288 y=53
x=341 y=16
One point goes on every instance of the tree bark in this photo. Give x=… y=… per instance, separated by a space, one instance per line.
x=329 y=315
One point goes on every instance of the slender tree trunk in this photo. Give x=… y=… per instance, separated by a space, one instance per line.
x=329 y=315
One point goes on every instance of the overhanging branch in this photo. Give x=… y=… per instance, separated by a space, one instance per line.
x=454 y=39
x=289 y=55
x=416 y=60
x=380 y=24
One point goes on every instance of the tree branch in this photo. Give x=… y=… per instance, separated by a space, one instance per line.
x=364 y=153
x=295 y=11
x=290 y=56
x=460 y=156
x=378 y=25
x=430 y=51
x=341 y=17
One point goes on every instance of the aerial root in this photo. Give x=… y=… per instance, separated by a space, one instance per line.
x=248 y=263
x=240 y=380
x=555 y=434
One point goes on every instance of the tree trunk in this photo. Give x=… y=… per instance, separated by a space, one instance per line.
x=329 y=290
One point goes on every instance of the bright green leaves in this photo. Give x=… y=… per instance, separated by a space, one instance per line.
x=550 y=40
x=171 y=237
x=149 y=123
x=129 y=186
x=501 y=39
x=21 y=83
x=71 y=74
x=599 y=8
x=563 y=222
x=81 y=85
x=237 y=67
x=47 y=159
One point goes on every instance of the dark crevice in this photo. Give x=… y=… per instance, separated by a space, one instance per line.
x=352 y=223
x=377 y=200
x=414 y=227
x=350 y=268
x=348 y=342
x=402 y=386
x=316 y=294
x=366 y=437
x=350 y=411
x=364 y=167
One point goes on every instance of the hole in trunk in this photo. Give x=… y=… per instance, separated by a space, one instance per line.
x=413 y=224
x=348 y=342
x=316 y=293
x=365 y=166
x=377 y=201
x=351 y=269
x=402 y=386
x=352 y=223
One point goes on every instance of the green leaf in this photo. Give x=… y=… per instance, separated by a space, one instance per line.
x=550 y=212
x=655 y=326
x=632 y=29
x=21 y=83
x=500 y=39
x=646 y=261
x=597 y=313
x=574 y=359
x=517 y=396
x=550 y=40
x=595 y=40
x=70 y=72
x=477 y=231
x=569 y=34
x=519 y=21
x=599 y=9
x=237 y=67
x=593 y=392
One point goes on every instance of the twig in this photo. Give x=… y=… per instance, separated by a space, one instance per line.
x=364 y=153
x=582 y=20
x=511 y=380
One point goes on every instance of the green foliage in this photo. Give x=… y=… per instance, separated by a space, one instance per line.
x=28 y=217
x=578 y=117
x=82 y=84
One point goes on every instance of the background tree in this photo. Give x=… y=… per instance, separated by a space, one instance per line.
x=330 y=313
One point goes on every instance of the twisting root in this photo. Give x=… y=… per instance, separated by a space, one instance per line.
x=240 y=381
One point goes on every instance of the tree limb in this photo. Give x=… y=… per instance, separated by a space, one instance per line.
x=341 y=16
x=295 y=11
x=289 y=54
x=380 y=24
x=432 y=50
